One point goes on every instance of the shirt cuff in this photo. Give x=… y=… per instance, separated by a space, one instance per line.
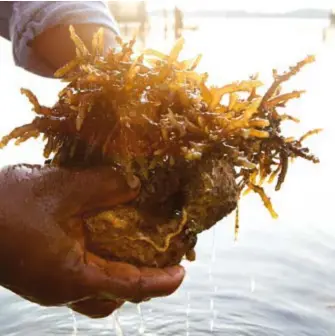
x=31 y=18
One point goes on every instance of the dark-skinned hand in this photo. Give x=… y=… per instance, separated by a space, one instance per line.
x=43 y=257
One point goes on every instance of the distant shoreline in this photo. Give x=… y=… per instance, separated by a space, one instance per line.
x=298 y=14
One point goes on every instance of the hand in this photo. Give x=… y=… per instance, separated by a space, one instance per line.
x=42 y=247
x=54 y=47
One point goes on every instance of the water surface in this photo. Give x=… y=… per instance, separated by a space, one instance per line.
x=279 y=278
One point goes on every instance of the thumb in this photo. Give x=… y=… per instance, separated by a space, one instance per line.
x=94 y=189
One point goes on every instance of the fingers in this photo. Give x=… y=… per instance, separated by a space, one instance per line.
x=96 y=308
x=158 y=282
x=124 y=281
x=86 y=190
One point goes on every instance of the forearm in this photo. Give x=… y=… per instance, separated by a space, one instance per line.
x=39 y=31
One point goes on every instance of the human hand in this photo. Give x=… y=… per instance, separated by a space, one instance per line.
x=43 y=257
x=54 y=47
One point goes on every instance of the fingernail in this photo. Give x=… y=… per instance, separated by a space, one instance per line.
x=175 y=271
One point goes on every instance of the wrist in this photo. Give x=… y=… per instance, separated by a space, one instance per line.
x=55 y=48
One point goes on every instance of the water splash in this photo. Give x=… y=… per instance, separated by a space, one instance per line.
x=141 y=328
x=117 y=325
x=74 y=323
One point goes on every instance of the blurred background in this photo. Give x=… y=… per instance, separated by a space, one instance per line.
x=279 y=277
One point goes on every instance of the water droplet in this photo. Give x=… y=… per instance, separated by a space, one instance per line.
x=117 y=325
x=213 y=257
x=74 y=323
x=188 y=308
x=252 y=285
x=141 y=328
x=214 y=288
x=212 y=305
x=211 y=325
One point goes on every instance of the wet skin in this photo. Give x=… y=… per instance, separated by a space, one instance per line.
x=42 y=248
x=43 y=257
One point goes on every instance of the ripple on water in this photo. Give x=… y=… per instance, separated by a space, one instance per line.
x=291 y=260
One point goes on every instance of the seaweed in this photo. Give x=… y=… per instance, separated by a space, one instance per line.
x=150 y=113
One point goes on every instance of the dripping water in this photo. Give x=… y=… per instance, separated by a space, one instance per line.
x=252 y=284
x=141 y=328
x=211 y=282
x=74 y=323
x=117 y=325
x=188 y=308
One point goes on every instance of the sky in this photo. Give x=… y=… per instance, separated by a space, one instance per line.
x=250 y=5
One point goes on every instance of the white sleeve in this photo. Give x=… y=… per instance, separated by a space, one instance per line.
x=31 y=18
